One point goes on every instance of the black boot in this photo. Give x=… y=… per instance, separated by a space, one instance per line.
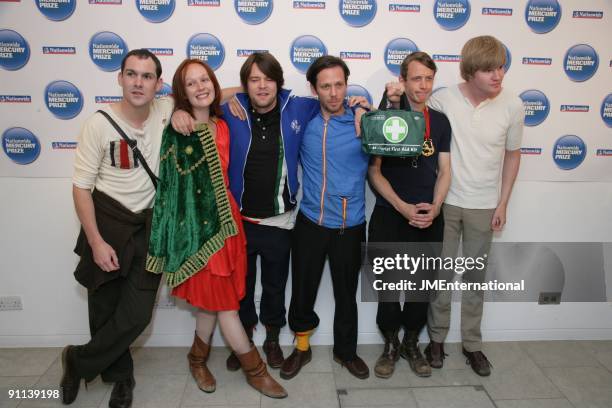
x=122 y=394
x=232 y=363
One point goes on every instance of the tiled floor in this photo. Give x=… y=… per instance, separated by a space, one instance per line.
x=560 y=374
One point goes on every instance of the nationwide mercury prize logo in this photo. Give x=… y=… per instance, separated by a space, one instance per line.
x=56 y=10
x=580 y=62
x=536 y=106
x=63 y=99
x=14 y=50
x=357 y=13
x=206 y=47
x=542 y=16
x=395 y=52
x=155 y=11
x=451 y=14
x=20 y=145
x=253 y=11
x=606 y=110
x=106 y=50
x=569 y=152
x=304 y=50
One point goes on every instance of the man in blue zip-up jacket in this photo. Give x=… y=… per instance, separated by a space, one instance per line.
x=331 y=221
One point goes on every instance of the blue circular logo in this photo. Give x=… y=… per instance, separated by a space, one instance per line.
x=357 y=13
x=165 y=90
x=508 y=58
x=253 y=12
x=206 y=47
x=63 y=99
x=536 y=107
x=606 y=110
x=20 y=145
x=15 y=50
x=580 y=62
x=451 y=14
x=106 y=50
x=542 y=16
x=568 y=152
x=358 y=90
x=56 y=10
x=155 y=11
x=304 y=50
x=395 y=52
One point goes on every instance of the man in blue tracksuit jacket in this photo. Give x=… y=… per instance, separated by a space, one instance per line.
x=331 y=220
x=263 y=178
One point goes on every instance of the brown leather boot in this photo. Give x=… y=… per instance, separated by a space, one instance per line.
x=197 y=365
x=385 y=365
x=232 y=363
x=409 y=350
x=257 y=375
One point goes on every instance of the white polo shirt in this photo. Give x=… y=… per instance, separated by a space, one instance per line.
x=103 y=161
x=481 y=135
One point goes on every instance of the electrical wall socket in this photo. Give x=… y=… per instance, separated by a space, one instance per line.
x=10 y=303
x=549 y=298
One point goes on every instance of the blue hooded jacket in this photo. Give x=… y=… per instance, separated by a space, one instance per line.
x=295 y=113
x=334 y=171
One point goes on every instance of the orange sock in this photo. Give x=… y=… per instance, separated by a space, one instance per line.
x=303 y=340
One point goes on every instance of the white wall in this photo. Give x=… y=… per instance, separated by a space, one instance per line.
x=38 y=226
x=36 y=261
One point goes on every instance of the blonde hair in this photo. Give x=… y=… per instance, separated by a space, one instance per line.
x=481 y=53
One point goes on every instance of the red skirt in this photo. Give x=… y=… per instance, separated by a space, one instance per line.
x=209 y=291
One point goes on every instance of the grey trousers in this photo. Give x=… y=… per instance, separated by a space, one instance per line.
x=473 y=227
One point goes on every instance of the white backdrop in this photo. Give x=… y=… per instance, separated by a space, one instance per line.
x=36 y=217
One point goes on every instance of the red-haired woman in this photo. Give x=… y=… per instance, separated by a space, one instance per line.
x=197 y=238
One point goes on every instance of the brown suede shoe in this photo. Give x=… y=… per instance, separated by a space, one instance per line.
x=355 y=366
x=257 y=375
x=479 y=362
x=434 y=352
x=294 y=363
x=274 y=354
x=197 y=365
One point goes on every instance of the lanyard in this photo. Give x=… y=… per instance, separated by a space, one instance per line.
x=427 y=128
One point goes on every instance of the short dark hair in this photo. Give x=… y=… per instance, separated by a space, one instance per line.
x=324 y=62
x=418 y=56
x=143 y=53
x=181 y=101
x=266 y=64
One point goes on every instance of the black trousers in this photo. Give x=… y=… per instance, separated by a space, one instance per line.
x=387 y=225
x=119 y=311
x=312 y=244
x=273 y=246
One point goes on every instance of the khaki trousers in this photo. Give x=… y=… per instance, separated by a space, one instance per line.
x=473 y=228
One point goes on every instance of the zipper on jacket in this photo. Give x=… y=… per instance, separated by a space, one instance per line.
x=324 y=168
x=344 y=211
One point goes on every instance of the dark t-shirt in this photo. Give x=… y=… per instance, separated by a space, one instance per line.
x=263 y=169
x=416 y=185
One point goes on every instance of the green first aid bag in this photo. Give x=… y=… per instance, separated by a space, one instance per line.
x=396 y=133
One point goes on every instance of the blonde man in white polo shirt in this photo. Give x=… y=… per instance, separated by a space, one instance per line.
x=487 y=125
